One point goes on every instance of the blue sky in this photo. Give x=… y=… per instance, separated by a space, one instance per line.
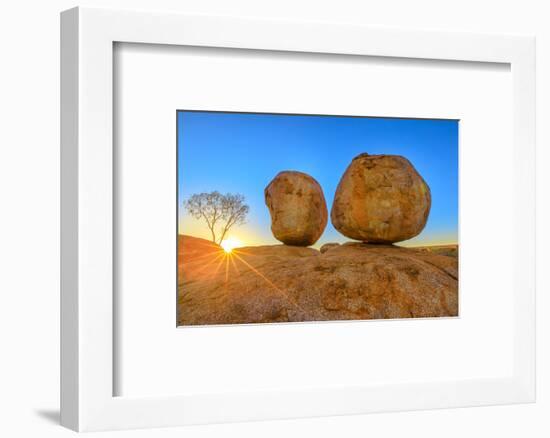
x=241 y=153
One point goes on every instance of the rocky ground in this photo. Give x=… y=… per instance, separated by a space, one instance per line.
x=284 y=283
x=448 y=250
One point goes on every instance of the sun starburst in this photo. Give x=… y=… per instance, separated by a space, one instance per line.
x=230 y=243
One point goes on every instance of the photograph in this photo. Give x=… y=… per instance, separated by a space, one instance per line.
x=286 y=218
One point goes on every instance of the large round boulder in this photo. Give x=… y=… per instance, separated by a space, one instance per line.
x=381 y=199
x=298 y=209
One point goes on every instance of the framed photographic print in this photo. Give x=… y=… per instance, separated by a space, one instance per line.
x=269 y=219
x=265 y=251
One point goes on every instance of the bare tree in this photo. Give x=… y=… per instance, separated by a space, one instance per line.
x=218 y=210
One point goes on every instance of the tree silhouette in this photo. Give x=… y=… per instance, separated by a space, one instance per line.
x=218 y=210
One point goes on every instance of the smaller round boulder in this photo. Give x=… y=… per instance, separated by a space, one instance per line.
x=297 y=207
x=381 y=199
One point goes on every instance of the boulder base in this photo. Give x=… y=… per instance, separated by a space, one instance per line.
x=285 y=284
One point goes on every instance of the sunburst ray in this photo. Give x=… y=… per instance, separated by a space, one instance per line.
x=292 y=300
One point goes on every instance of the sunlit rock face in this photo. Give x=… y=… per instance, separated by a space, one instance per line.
x=284 y=283
x=298 y=209
x=381 y=199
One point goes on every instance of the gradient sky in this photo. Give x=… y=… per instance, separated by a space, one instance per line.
x=241 y=153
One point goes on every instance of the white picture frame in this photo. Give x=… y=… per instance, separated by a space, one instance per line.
x=87 y=331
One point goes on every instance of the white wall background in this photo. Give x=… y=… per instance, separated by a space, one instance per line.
x=29 y=212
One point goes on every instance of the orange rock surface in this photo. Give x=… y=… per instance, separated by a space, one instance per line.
x=281 y=283
x=381 y=199
x=297 y=207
